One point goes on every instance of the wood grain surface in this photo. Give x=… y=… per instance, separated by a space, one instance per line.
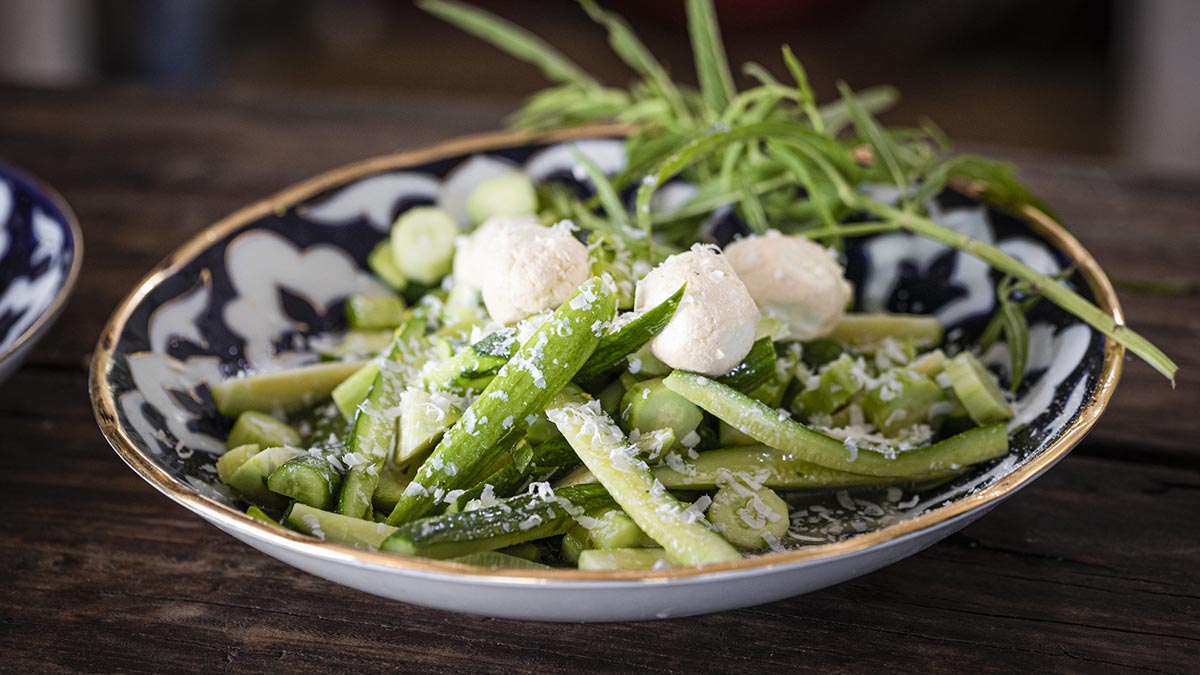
x=1091 y=569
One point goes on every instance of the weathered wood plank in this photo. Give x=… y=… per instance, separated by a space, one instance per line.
x=103 y=573
x=1088 y=570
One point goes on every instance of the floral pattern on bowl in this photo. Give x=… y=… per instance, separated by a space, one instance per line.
x=40 y=256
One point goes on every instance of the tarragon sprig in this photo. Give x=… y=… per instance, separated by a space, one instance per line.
x=771 y=151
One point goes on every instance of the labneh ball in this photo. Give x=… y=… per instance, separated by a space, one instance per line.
x=524 y=267
x=472 y=252
x=714 y=326
x=794 y=280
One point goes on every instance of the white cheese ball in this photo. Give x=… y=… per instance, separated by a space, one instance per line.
x=528 y=267
x=471 y=251
x=713 y=329
x=792 y=279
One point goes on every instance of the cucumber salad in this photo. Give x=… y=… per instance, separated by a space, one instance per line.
x=551 y=398
x=580 y=381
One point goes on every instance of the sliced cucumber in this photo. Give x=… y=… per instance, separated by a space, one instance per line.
x=976 y=388
x=499 y=560
x=750 y=518
x=837 y=383
x=624 y=559
x=755 y=369
x=929 y=364
x=605 y=450
x=358 y=344
x=337 y=528
x=777 y=430
x=392 y=481
x=282 y=392
x=868 y=330
x=513 y=521
x=253 y=427
x=776 y=469
x=258 y=514
x=509 y=194
x=423 y=244
x=308 y=480
x=250 y=479
x=902 y=399
x=821 y=351
x=381 y=262
x=353 y=390
x=650 y=405
x=232 y=460
x=374 y=311
x=424 y=418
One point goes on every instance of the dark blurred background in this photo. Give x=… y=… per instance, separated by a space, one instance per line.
x=1118 y=78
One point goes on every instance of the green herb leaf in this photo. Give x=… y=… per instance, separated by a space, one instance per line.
x=510 y=38
x=712 y=68
x=633 y=52
x=609 y=199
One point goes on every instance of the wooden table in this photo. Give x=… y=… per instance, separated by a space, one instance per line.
x=1091 y=569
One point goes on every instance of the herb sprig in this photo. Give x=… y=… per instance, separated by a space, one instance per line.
x=775 y=155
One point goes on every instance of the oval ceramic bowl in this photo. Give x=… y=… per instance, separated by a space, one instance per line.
x=250 y=291
x=41 y=251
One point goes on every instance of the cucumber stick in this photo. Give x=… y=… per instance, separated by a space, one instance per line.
x=777 y=469
x=776 y=429
x=373 y=434
x=512 y=521
x=867 y=330
x=353 y=390
x=481 y=359
x=337 y=528
x=424 y=418
x=541 y=367
x=281 y=392
x=755 y=369
x=624 y=559
x=627 y=339
x=611 y=458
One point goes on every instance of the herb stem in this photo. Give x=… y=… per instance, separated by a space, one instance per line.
x=1040 y=284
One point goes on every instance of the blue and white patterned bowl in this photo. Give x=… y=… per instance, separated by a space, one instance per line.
x=41 y=251
x=252 y=290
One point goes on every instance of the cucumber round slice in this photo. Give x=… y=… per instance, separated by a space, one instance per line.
x=423 y=244
x=308 y=480
x=977 y=389
x=233 y=459
x=510 y=194
x=749 y=517
x=381 y=262
x=649 y=405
